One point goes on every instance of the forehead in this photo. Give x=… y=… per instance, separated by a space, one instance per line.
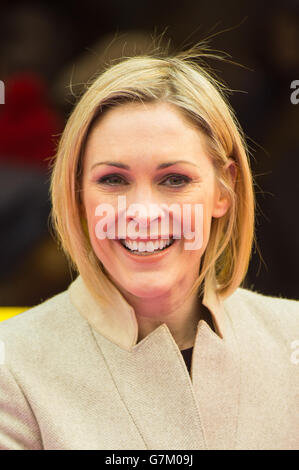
x=155 y=116
x=141 y=127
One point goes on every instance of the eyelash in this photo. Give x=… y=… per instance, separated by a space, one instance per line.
x=186 y=179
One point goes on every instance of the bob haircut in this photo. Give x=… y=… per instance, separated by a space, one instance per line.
x=182 y=80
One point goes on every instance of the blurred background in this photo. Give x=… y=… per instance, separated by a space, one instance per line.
x=45 y=46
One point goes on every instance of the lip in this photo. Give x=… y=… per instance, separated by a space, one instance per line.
x=139 y=239
x=153 y=257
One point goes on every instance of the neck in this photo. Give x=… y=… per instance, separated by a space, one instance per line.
x=180 y=312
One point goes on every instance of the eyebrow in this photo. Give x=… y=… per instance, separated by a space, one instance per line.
x=127 y=167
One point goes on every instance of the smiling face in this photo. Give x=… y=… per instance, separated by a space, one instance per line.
x=150 y=154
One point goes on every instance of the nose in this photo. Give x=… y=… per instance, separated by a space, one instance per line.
x=146 y=211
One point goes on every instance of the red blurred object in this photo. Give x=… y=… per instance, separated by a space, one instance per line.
x=28 y=125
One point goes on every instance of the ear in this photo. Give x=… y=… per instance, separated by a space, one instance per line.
x=222 y=200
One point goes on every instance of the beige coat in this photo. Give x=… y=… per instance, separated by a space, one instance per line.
x=74 y=377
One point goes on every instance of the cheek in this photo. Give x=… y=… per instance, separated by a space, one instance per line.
x=197 y=215
x=101 y=248
x=99 y=221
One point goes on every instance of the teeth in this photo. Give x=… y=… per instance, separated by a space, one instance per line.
x=157 y=245
x=149 y=246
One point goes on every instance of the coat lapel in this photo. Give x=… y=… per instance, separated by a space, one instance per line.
x=155 y=387
x=216 y=382
x=169 y=409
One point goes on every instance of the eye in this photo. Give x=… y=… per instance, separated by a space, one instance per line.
x=112 y=180
x=177 y=180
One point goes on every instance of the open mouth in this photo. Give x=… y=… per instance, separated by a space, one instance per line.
x=147 y=248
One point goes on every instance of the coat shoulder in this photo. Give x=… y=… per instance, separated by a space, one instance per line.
x=47 y=311
x=279 y=316
x=43 y=327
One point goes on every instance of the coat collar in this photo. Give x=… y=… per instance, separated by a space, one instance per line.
x=117 y=322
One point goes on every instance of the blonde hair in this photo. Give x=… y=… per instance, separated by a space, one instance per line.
x=182 y=80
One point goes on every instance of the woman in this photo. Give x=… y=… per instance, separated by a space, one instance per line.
x=153 y=203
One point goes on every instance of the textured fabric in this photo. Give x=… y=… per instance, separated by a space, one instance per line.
x=65 y=384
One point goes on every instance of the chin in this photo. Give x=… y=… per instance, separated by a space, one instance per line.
x=147 y=289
